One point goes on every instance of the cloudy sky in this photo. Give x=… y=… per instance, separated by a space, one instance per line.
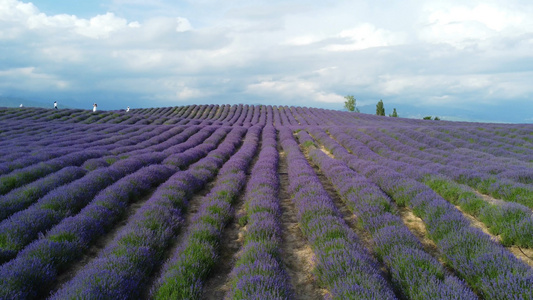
x=460 y=60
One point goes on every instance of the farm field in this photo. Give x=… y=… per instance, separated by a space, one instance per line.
x=262 y=202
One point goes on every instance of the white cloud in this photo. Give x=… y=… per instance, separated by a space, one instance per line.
x=183 y=25
x=187 y=93
x=365 y=36
x=303 y=40
x=305 y=52
x=441 y=89
x=63 y=53
x=463 y=25
x=100 y=26
x=31 y=79
x=293 y=89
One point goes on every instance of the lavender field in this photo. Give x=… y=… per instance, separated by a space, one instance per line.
x=262 y=202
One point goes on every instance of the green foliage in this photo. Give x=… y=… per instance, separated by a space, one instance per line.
x=349 y=104
x=394 y=113
x=380 y=109
x=308 y=144
x=427 y=118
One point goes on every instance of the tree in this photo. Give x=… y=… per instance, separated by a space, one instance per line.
x=394 y=113
x=380 y=109
x=349 y=104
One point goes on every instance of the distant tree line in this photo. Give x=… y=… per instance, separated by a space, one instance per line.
x=350 y=105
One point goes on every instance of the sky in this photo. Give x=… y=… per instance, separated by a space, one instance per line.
x=459 y=60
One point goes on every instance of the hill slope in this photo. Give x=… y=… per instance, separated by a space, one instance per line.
x=262 y=202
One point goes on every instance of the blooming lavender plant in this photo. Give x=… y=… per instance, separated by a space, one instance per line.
x=26 y=175
x=474 y=262
x=342 y=263
x=20 y=198
x=32 y=272
x=258 y=271
x=416 y=273
x=195 y=257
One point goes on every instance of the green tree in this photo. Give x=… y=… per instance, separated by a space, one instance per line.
x=349 y=104
x=380 y=109
x=427 y=118
x=394 y=113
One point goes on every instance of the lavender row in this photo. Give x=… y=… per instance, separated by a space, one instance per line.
x=497 y=187
x=416 y=273
x=196 y=255
x=511 y=221
x=465 y=138
x=198 y=137
x=503 y=168
x=123 y=268
x=149 y=139
x=196 y=144
x=26 y=175
x=23 y=227
x=258 y=273
x=57 y=204
x=74 y=145
x=20 y=198
x=179 y=140
x=344 y=267
x=485 y=265
x=35 y=269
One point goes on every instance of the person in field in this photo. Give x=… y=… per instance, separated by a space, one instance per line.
x=21 y=105
x=55 y=104
x=94 y=107
x=128 y=109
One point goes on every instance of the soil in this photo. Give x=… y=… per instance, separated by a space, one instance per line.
x=326 y=151
x=418 y=228
x=297 y=256
x=218 y=284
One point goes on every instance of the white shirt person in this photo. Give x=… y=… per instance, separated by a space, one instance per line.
x=94 y=107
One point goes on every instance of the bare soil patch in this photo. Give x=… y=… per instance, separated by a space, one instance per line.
x=297 y=256
x=418 y=228
x=326 y=151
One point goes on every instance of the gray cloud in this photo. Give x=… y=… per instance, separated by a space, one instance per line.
x=419 y=55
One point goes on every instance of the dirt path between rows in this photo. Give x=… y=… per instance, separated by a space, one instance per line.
x=417 y=226
x=194 y=204
x=218 y=283
x=297 y=256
